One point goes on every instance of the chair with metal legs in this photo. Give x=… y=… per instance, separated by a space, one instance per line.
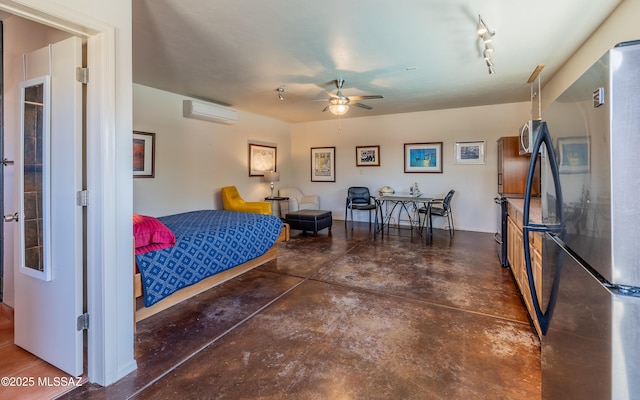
x=439 y=208
x=359 y=199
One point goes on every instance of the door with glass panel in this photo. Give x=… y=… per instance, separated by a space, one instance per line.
x=49 y=273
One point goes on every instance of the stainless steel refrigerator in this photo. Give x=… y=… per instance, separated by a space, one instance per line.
x=589 y=141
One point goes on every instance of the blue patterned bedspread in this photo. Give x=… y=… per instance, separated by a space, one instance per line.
x=207 y=242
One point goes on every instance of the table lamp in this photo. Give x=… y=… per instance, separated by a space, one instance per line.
x=272 y=176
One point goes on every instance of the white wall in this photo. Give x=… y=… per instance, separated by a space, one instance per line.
x=195 y=158
x=621 y=26
x=475 y=185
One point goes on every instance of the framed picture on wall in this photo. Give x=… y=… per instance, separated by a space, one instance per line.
x=144 y=144
x=323 y=164
x=367 y=156
x=262 y=158
x=574 y=155
x=470 y=152
x=423 y=157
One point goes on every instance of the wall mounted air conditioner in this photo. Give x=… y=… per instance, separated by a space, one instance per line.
x=209 y=112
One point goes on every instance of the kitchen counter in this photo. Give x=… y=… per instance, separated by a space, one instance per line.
x=535 y=212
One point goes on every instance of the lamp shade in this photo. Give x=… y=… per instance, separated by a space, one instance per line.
x=272 y=176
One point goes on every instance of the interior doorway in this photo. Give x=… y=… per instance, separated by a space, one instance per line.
x=16 y=359
x=110 y=335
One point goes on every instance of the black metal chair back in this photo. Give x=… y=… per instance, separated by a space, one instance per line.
x=439 y=208
x=358 y=198
x=446 y=203
x=358 y=195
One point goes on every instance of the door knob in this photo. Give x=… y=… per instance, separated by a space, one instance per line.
x=12 y=217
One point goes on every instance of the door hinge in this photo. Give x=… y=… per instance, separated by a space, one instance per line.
x=82 y=75
x=82 y=198
x=83 y=322
x=12 y=217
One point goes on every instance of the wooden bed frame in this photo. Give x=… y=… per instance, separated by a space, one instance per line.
x=142 y=312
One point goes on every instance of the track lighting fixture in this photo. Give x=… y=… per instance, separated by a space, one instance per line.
x=490 y=66
x=483 y=30
x=486 y=35
x=482 y=27
x=281 y=93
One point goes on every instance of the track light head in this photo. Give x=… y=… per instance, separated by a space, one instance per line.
x=482 y=27
x=488 y=37
x=280 y=93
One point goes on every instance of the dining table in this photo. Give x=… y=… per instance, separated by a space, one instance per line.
x=408 y=203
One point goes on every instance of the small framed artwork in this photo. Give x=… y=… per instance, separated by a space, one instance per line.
x=470 y=152
x=367 y=156
x=423 y=157
x=574 y=155
x=262 y=158
x=144 y=144
x=323 y=164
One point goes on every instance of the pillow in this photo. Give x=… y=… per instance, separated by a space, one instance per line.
x=151 y=234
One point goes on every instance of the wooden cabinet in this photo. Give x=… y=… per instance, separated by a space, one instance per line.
x=513 y=169
x=515 y=254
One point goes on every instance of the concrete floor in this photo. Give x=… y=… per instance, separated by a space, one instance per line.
x=345 y=317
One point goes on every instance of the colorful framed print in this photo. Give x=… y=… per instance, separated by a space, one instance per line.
x=470 y=152
x=574 y=155
x=323 y=164
x=144 y=144
x=423 y=157
x=262 y=158
x=367 y=156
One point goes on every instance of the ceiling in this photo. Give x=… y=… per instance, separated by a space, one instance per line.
x=419 y=54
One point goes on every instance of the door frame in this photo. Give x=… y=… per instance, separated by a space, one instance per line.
x=110 y=336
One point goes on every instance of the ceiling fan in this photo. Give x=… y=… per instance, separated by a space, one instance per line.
x=339 y=103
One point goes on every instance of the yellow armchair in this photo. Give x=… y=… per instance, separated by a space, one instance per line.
x=232 y=201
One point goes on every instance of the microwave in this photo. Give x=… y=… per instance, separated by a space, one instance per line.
x=528 y=135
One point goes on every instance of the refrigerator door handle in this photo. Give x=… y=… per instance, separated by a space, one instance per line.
x=543 y=137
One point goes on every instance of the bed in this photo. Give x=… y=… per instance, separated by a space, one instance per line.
x=181 y=255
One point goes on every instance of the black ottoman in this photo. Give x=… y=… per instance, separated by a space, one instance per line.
x=310 y=220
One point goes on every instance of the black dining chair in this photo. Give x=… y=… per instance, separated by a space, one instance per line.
x=359 y=199
x=439 y=208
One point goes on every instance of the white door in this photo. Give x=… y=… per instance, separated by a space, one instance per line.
x=49 y=271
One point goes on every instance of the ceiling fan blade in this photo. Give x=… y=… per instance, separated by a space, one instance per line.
x=361 y=105
x=330 y=94
x=325 y=109
x=371 y=97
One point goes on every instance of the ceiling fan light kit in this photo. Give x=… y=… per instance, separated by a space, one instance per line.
x=486 y=35
x=339 y=104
